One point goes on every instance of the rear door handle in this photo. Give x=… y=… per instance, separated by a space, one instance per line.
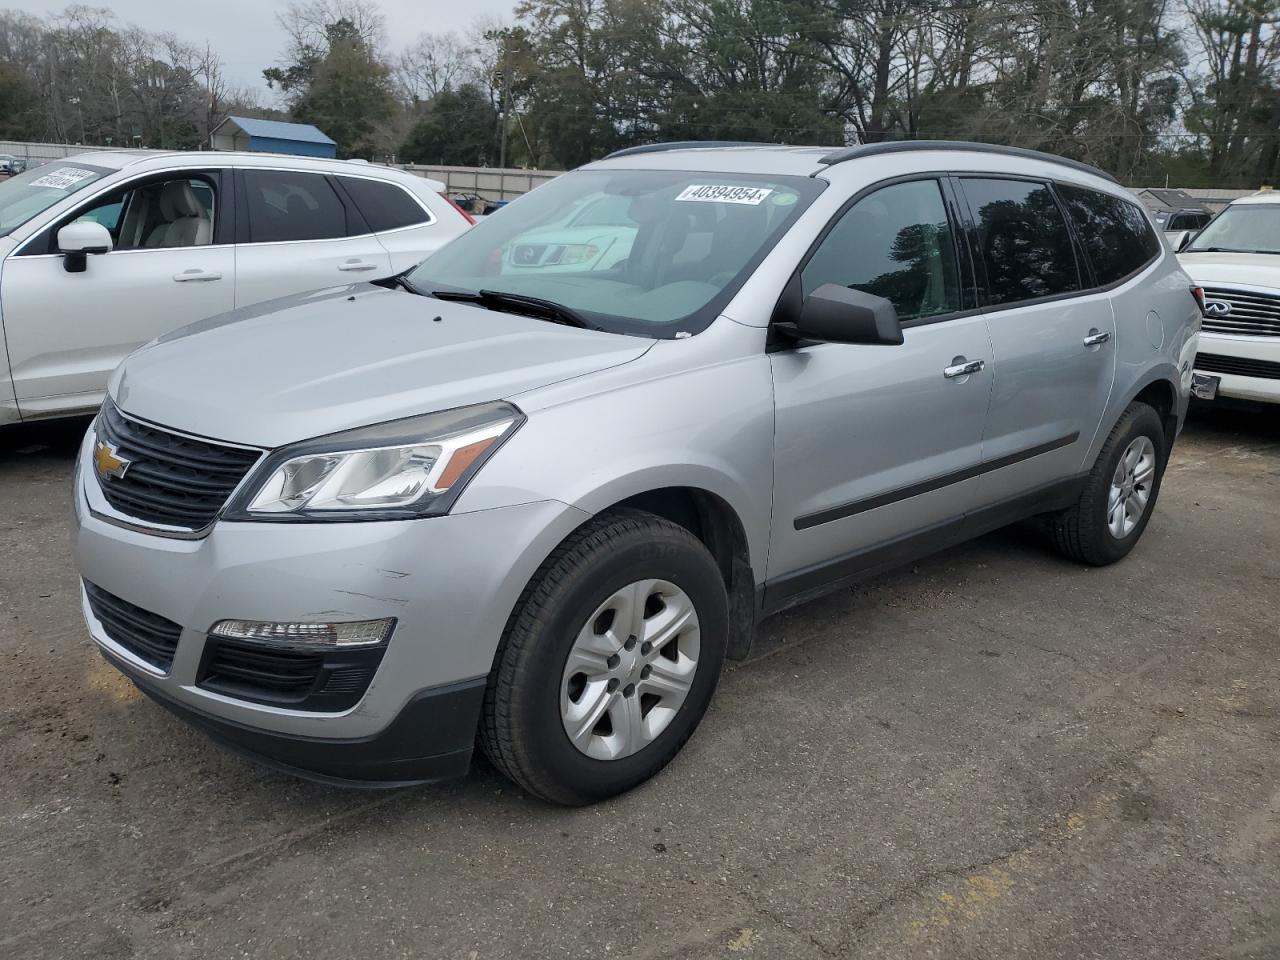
x=357 y=265
x=187 y=276
x=963 y=368
x=1093 y=339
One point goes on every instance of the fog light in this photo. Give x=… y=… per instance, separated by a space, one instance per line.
x=359 y=633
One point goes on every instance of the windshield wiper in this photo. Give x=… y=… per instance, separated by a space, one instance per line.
x=517 y=303
x=1224 y=250
x=398 y=280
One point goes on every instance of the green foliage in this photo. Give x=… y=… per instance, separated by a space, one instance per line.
x=457 y=128
x=344 y=89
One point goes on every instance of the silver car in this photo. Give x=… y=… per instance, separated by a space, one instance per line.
x=355 y=533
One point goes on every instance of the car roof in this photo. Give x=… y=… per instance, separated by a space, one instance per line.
x=168 y=159
x=1262 y=196
x=815 y=161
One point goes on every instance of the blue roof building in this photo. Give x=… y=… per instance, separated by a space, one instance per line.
x=271 y=136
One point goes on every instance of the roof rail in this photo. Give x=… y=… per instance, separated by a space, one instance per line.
x=909 y=146
x=685 y=145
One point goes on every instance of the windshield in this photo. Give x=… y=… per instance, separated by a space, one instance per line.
x=1241 y=228
x=650 y=252
x=33 y=192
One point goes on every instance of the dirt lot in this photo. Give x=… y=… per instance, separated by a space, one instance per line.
x=993 y=754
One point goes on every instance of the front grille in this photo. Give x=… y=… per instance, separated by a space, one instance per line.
x=1252 y=314
x=146 y=635
x=170 y=479
x=281 y=675
x=1241 y=366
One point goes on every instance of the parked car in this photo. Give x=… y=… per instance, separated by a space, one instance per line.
x=104 y=251
x=597 y=233
x=1236 y=259
x=1175 y=223
x=10 y=165
x=351 y=532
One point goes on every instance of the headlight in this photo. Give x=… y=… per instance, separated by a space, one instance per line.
x=406 y=468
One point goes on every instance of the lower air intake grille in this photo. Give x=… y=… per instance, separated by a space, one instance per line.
x=146 y=635
x=1241 y=366
x=288 y=676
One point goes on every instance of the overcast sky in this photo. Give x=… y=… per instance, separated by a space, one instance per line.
x=245 y=32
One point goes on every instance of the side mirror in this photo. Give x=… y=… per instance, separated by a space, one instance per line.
x=1181 y=239
x=844 y=315
x=77 y=240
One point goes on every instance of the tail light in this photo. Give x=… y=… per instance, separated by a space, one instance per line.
x=470 y=219
x=1198 y=293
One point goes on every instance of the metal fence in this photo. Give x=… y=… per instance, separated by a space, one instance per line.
x=38 y=153
x=491 y=183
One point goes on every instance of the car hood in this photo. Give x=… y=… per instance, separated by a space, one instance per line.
x=1253 y=269
x=318 y=363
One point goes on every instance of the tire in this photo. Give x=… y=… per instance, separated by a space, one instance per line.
x=529 y=705
x=1083 y=531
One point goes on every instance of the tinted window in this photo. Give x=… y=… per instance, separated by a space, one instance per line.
x=895 y=244
x=1115 y=234
x=384 y=206
x=284 y=205
x=1023 y=239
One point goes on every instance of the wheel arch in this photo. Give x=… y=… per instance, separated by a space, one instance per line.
x=1158 y=389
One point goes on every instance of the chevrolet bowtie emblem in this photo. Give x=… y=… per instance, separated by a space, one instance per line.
x=108 y=462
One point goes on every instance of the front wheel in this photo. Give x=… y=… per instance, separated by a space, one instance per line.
x=609 y=660
x=1119 y=494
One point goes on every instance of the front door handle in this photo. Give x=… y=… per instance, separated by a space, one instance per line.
x=1094 y=339
x=357 y=265
x=187 y=276
x=962 y=368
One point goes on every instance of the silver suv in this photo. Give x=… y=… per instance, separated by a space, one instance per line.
x=502 y=500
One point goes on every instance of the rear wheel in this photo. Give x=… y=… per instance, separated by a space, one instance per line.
x=1119 y=494
x=609 y=660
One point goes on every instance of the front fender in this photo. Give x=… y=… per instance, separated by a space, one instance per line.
x=710 y=429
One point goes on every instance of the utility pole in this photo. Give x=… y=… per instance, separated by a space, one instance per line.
x=504 y=104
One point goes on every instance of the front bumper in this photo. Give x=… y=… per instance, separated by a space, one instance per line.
x=1221 y=356
x=450 y=582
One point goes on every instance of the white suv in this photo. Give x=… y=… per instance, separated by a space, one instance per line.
x=1236 y=260
x=104 y=251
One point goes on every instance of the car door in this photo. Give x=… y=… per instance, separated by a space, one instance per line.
x=298 y=233
x=876 y=446
x=172 y=263
x=1053 y=338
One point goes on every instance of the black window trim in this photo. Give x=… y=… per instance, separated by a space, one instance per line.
x=792 y=290
x=431 y=217
x=224 y=224
x=354 y=219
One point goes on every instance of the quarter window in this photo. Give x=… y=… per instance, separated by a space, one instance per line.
x=1115 y=234
x=1023 y=239
x=286 y=205
x=383 y=205
x=897 y=244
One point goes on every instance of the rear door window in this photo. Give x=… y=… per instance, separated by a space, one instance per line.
x=1023 y=240
x=288 y=205
x=1115 y=234
x=384 y=206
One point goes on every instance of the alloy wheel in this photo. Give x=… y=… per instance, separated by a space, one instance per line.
x=1131 y=485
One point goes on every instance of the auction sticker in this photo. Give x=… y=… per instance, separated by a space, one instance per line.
x=62 y=178
x=711 y=193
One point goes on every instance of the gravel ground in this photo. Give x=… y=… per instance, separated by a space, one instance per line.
x=991 y=754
